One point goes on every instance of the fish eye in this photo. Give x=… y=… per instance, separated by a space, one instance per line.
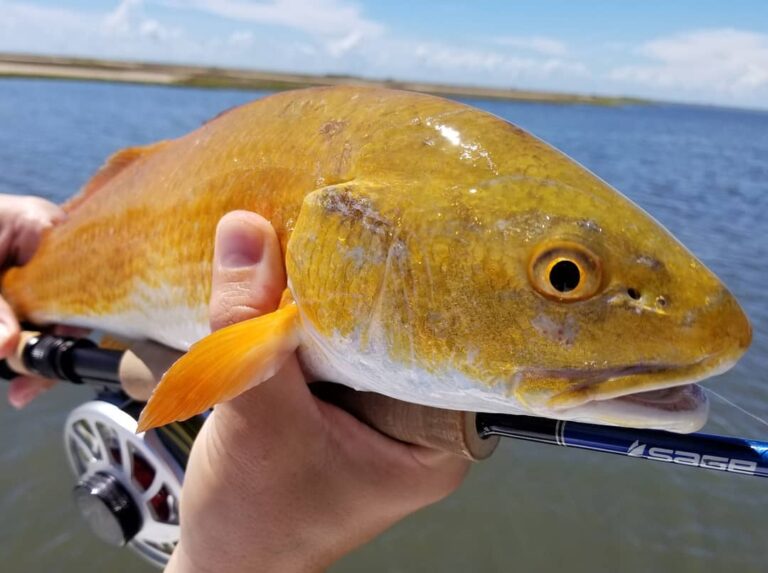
x=565 y=271
x=564 y=275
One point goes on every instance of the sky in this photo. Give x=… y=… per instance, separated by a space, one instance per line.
x=712 y=52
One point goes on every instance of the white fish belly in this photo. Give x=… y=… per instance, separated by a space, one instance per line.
x=151 y=314
x=341 y=360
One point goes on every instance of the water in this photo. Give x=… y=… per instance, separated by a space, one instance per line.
x=702 y=172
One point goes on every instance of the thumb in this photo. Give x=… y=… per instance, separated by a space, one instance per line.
x=248 y=276
x=248 y=281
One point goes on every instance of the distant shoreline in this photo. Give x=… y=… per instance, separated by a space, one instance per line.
x=60 y=67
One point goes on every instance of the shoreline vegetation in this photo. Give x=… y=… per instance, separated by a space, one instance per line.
x=62 y=67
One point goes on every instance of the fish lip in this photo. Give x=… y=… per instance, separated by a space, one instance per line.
x=676 y=375
x=680 y=409
x=670 y=399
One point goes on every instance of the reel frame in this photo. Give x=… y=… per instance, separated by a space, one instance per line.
x=100 y=437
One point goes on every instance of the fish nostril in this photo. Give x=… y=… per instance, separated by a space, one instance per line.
x=660 y=302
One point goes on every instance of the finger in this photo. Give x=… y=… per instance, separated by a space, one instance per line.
x=25 y=219
x=25 y=242
x=24 y=389
x=426 y=474
x=47 y=212
x=9 y=329
x=248 y=281
x=248 y=275
x=442 y=472
x=35 y=216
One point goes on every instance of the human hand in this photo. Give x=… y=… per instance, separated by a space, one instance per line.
x=279 y=480
x=22 y=221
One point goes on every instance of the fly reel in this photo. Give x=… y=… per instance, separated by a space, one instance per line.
x=129 y=485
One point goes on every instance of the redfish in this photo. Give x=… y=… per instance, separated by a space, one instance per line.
x=434 y=253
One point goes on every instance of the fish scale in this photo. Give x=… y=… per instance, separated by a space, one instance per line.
x=420 y=237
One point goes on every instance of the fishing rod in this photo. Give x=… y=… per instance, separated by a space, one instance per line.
x=472 y=435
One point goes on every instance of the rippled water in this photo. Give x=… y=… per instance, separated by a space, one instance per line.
x=702 y=172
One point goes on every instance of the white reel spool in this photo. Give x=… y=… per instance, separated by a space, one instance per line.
x=129 y=484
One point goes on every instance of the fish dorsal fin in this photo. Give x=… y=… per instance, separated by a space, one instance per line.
x=113 y=166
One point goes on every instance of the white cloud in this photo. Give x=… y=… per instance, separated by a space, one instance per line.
x=536 y=44
x=129 y=20
x=725 y=66
x=154 y=30
x=505 y=67
x=344 y=41
x=124 y=31
x=338 y=48
x=17 y=16
x=318 y=17
x=721 y=62
x=240 y=39
x=119 y=20
x=32 y=28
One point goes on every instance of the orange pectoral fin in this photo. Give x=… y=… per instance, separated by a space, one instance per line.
x=223 y=365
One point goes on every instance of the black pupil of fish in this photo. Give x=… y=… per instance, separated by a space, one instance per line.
x=564 y=276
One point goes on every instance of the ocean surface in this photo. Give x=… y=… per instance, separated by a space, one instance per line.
x=702 y=172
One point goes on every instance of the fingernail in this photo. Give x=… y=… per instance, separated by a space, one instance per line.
x=16 y=399
x=20 y=397
x=431 y=457
x=239 y=244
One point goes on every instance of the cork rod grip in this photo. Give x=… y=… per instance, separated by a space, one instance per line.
x=448 y=430
x=142 y=367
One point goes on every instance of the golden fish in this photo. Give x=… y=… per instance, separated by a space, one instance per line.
x=434 y=253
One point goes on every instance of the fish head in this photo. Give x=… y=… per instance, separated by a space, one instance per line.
x=587 y=308
x=538 y=289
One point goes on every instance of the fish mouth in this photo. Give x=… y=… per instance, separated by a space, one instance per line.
x=657 y=396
